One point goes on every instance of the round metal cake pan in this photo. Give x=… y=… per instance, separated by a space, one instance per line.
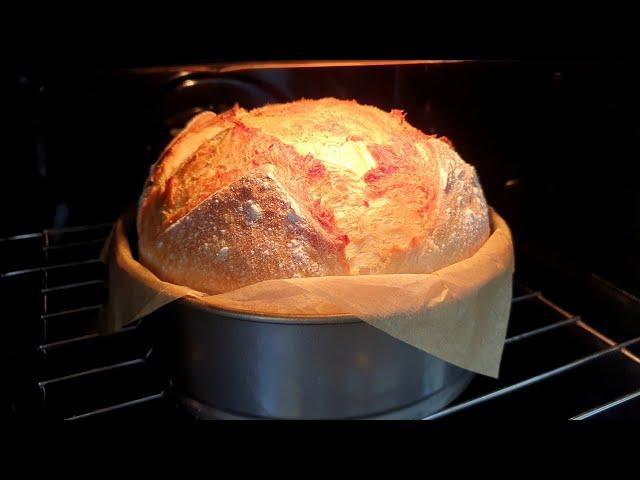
x=235 y=365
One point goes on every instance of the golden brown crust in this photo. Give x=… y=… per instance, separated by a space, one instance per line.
x=309 y=188
x=247 y=242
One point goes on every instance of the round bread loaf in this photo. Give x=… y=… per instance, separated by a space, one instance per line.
x=303 y=189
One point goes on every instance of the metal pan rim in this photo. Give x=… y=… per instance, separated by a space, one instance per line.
x=252 y=316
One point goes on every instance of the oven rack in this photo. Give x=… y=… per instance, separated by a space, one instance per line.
x=555 y=364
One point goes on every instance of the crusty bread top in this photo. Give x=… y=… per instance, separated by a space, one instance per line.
x=308 y=188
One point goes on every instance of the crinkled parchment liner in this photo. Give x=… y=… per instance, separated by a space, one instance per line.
x=459 y=313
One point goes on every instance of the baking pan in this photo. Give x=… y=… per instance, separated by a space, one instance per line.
x=225 y=364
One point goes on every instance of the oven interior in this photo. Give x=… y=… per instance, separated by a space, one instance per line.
x=556 y=146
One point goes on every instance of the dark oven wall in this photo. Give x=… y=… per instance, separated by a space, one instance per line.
x=556 y=144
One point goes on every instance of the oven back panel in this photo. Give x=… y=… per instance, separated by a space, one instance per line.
x=556 y=145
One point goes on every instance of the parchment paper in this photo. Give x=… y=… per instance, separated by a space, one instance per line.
x=459 y=313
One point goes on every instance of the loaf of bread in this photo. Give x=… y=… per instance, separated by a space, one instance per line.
x=302 y=189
